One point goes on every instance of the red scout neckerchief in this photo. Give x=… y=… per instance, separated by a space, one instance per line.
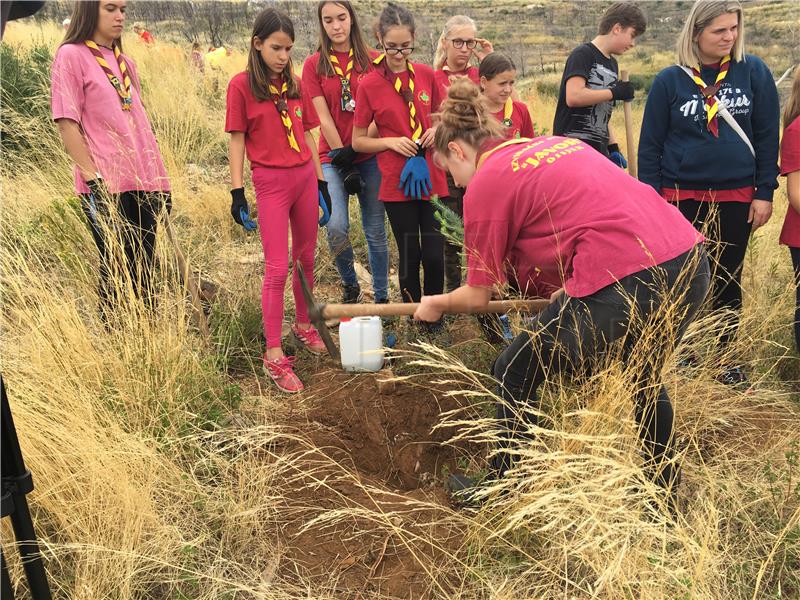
x=124 y=88
x=281 y=103
x=407 y=94
x=348 y=102
x=451 y=74
x=709 y=92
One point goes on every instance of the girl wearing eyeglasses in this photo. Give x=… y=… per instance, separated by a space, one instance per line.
x=456 y=47
x=398 y=96
x=331 y=77
x=497 y=77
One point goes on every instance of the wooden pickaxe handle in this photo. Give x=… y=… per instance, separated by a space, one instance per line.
x=633 y=169
x=338 y=311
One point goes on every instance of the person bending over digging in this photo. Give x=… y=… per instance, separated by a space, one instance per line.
x=551 y=203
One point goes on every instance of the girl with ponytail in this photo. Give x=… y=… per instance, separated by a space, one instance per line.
x=267 y=121
x=533 y=205
x=497 y=77
x=457 y=45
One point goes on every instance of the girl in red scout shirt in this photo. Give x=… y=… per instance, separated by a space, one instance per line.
x=456 y=47
x=331 y=78
x=536 y=203
x=790 y=167
x=265 y=118
x=398 y=97
x=119 y=173
x=718 y=177
x=498 y=75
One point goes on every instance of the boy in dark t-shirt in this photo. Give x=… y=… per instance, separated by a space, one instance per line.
x=590 y=84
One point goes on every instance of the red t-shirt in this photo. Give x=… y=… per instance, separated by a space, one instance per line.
x=790 y=162
x=378 y=101
x=264 y=134
x=555 y=205
x=444 y=79
x=330 y=88
x=147 y=37
x=521 y=124
x=744 y=194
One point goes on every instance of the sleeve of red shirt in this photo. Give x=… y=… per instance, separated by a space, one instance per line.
x=235 y=108
x=790 y=148
x=310 y=118
x=527 y=125
x=66 y=85
x=312 y=86
x=364 y=113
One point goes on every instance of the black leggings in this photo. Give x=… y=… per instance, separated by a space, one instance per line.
x=796 y=263
x=572 y=334
x=132 y=219
x=452 y=252
x=727 y=225
x=419 y=241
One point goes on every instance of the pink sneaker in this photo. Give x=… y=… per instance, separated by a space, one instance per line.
x=281 y=371
x=310 y=339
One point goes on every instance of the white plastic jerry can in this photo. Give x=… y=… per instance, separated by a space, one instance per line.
x=361 y=344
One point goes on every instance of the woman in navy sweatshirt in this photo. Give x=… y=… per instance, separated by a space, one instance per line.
x=695 y=159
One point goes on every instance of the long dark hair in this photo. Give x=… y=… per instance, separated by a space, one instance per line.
x=268 y=21
x=83 y=23
x=360 y=49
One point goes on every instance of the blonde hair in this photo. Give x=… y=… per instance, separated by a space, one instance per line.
x=700 y=17
x=463 y=115
x=792 y=109
x=440 y=58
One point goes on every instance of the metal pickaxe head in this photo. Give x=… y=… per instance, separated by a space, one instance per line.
x=315 y=314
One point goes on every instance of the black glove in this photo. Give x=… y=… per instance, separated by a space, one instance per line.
x=353 y=183
x=97 y=188
x=240 y=211
x=342 y=158
x=322 y=186
x=623 y=90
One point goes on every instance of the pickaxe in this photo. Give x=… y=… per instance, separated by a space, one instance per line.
x=319 y=313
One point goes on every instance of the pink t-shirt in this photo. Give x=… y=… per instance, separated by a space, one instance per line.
x=555 y=205
x=790 y=162
x=121 y=142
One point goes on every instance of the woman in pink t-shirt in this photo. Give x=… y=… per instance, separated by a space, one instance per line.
x=119 y=173
x=790 y=167
x=554 y=204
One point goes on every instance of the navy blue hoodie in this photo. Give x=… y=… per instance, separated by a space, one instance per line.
x=676 y=150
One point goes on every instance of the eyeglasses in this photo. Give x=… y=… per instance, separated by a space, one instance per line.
x=459 y=43
x=403 y=51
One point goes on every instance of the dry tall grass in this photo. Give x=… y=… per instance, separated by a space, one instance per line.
x=168 y=469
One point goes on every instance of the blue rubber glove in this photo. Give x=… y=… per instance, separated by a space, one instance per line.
x=240 y=211
x=325 y=203
x=616 y=156
x=415 y=178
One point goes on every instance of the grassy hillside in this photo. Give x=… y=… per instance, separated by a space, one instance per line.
x=168 y=468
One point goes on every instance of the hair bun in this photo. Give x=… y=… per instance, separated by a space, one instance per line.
x=463 y=107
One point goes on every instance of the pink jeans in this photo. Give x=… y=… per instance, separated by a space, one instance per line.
x=285 y=197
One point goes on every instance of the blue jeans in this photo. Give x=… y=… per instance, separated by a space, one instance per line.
x=373 y=221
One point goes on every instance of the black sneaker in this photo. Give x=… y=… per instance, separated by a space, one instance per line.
x=351 y=294
x=732 y=375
